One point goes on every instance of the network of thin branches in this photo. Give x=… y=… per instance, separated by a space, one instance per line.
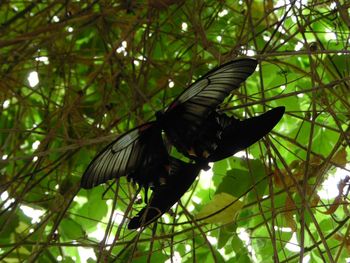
x=77 y=74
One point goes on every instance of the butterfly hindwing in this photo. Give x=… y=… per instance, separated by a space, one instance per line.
x=181 y=177
x=238 y=135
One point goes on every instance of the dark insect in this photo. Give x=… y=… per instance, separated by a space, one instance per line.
x=194 y=127
x=140 y=152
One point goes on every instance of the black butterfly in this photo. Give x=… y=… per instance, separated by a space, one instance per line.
x=192 y=125
x=141 y=155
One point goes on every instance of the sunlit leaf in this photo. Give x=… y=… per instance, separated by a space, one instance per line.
x=222 y=209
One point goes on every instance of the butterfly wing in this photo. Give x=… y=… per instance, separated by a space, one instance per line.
x=181 y=177
x=238 y=135
x=185 y=117
x=212 y=88
x=139 y=154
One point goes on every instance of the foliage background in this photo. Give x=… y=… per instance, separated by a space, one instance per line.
x=106 y=66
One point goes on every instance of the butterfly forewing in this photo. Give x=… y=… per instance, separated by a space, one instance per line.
x=129 y=155
x=221 y=80
x=186 y=117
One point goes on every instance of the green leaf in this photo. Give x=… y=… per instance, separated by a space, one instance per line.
x=156 y=256
x=70 y=229
x=229 y=205
x=225 y=233
x=238 y=182
x=8 y=222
